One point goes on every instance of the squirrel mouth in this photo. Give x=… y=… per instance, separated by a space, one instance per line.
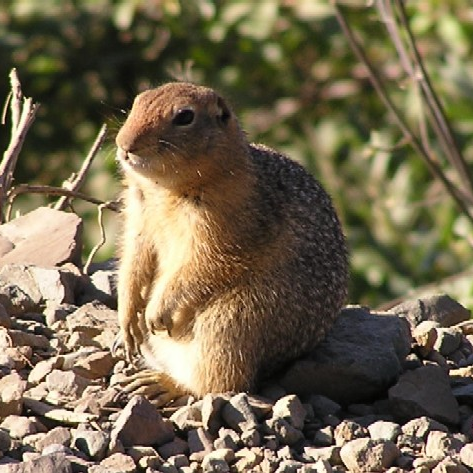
x=127 y=158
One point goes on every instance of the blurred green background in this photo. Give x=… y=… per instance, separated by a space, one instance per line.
x=288 y=71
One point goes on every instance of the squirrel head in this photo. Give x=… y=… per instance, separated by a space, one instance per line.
x=181 y=135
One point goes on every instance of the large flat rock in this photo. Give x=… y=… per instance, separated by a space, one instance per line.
x=44 y=237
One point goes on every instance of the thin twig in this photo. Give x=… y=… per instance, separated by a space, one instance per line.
x=23 y=112
x=76 y=182
x=445 y=132
x=49 y=190
x=377 y=83
x=5 y=108
x=103 y=237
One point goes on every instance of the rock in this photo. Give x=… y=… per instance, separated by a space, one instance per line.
x=324 y=437
x=291 y=409
x=227 y=439
x=187 y=417
x=173 y=448
x=18 y=338
x=348 y=430
x=285 y=432
x=412 y=395
x=16 y=358
x=105 y=287
x=238 y=415
x=66 y=383
x=12 y=388
x=91 y=442
x=57 y=435
x=247 y=459
x=466 y=455
x=95 y=366
x=448 y=340
x=425 y=336
x=43 y=368
x=218 y=461
x=210 y=412
x=5 y=441
x=116 y=463
x=96 y=321
x=450 y=465
x=364 y=454
x=439 y=308
x=441 y=444
x=140 y=423
x=382 y=430
x=44 y=237
x=421 y=427
x=18 y=426
x=200 y=444
x=330 y=454
x=57 y=463
x=360 y=358
x=323 y=406
x=250 y=438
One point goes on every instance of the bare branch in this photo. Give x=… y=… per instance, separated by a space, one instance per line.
x=76 y=182
x=378 y=84
x=28 y=189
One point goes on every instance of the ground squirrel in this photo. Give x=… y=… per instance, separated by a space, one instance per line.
x=233 y=259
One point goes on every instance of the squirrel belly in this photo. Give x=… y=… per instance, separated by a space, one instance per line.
x=233 y=258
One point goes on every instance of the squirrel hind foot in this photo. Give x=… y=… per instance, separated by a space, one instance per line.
x=159 y=388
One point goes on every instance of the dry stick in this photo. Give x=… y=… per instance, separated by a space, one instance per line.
x=450 y=145
x=76 y=183
x=380 y=89
x=103 y=237
x=28 y=189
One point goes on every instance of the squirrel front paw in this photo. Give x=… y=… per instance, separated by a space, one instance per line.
x=158 y=318
x=131 y=335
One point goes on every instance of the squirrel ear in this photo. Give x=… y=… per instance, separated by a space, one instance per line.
x=224 y=111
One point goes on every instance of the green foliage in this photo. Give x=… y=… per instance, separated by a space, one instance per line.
x=288 y=70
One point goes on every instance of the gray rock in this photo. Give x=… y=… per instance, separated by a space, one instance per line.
x=57 y=463
x=360 y=358
x=217 y=461
x=116 y=463
x=324 y=437
x=20 y=426
x=66 y=383
x=450 y=465
x=285 y=432
x=58 y=435
x=412 y=395
x=383 y=430
x=228 y=439
x=291 y=409
x=466 y=455
x=5 y=441
x=238 y=415
x=330 y=454
x=425 y=336
x=364 y=454
x=323 y=406
x=92 y=442
x=44 y=237
x=200 y=444
x=439 y=308
x=421 y=427
x=140 y=423
x=211 y=407
x=250 y=438
x=176 y=447
x=441 y=444
x=348 y=430
x=448 y=340
x=12 y=387
x=187 y=417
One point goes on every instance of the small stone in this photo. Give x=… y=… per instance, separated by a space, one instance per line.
x=173 y=448
x=210 y=413
x=466 y=455
x=412 y=395
x=450 y=465
x=12 y=387
x=383 y=430
x=95 y=366
x=448 y=340
x=5 y=441
x=320 y=466
x=251 y=438
x=291 y=409
x=66 y=383
x=421 y=427
x=140 y=423
x=285 y=433
x=324 y=437
x=217 y=461
x=425 y=336
x=227 y=438
x=238 y=415
x=20 y=426
x=116 y=463
x=248 y=459
x=200 y=444
x=348 y=430
x=187 y=417
x=330 y=454
x=93 y=443
x=57 y=435
x=364 y=454
x=179 y=461
x=439 y=444
x=43 y=368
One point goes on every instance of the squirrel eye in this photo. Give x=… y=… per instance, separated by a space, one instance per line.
x=183 y=117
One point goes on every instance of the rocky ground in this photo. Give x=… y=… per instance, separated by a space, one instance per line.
x=388 y=391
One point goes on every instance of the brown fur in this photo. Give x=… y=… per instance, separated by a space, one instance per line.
x=233 y=259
